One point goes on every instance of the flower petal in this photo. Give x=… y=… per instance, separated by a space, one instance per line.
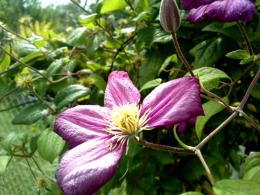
x=85 y=168
x=120 y=90
x=189 y=4
x=81 y=123
x=174 y=102
x=225 y=11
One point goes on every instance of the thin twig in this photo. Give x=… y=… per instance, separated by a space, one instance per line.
x=22 y=63
x=249 y=90
x=8 y=93
x=244 y=35
x=130 y=5
x=17 y=35
x=30 y=168
x=41 y=100
x=10 y=69
x=121 y=48
x=231 y=85
x=37 y=165
x=79 y=6
x=16 y=106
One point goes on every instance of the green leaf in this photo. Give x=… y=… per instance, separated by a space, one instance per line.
x=152 y=65
x=99 y=82
x=171 y=59
x=24 y=48
x=119 y=190
x=110 y=6
x=141 y=5
x=252 y=167
x=208 y=52
x=151 y=84
x=50 y=145
x=5 y=60
x=256 y=92
x=236 y=187
x=77 y=37
x=230 y=31
x=247 y=60
x=210 y=109
x=4 y=160
x=70 y=94
x=145 y=37
x=88 y=21
x=210 y=77
x=56 y=66
x=8 y=141
x=238 y=54
x=30 y=114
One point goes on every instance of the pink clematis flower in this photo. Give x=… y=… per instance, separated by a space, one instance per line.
x=219 y=10
x=98 y=135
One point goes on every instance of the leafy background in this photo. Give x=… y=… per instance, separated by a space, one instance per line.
x=61 y=56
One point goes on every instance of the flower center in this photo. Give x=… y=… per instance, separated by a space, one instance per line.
x=127 y=119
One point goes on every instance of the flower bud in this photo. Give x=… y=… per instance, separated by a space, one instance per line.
x=170 y=16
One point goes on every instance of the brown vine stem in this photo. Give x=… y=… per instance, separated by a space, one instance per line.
x=180 y=54
x=203 y=162
x=249 y=90
x=162 y=147
x=217 y=98
x=233 y=115
x=216 y=131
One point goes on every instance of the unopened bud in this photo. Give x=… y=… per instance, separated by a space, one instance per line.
x=170 y=16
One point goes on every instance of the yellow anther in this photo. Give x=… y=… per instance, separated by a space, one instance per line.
x=127 y=119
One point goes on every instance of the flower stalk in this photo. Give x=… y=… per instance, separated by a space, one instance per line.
x=180 y=54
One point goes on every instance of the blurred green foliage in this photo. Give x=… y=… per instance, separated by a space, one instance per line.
x=61 y=57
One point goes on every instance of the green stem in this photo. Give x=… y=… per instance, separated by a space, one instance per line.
x=181 y=142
